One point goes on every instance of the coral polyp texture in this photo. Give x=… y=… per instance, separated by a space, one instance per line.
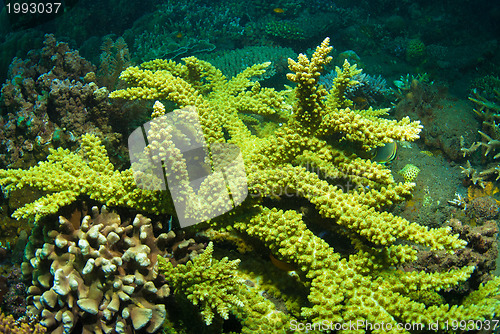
x=8 y=325
x=301 y=145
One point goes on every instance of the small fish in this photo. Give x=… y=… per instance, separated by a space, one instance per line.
x=386 y=153
x=170 y=224
x=360 y=102
x=179 y=35
x=282 y=265
x=278 y=10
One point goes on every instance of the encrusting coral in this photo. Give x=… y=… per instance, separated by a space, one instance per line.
x=481 y=252
x=344 y=190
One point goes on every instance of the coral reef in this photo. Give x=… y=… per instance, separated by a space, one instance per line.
x=91 y=173
x=13 y=292
x=486 y=86
x=344 y=194
x=292 y=22
x=164 y=44
x=12 y=229
x=114 y=58
x=370 y=91
x=206 y=281
x=285 y=30
x=415 y=50
x=474 y=176
x=445 y=118
x=487 y=111
x=184 y=28
x=483 y=208
x=47 y=104
x=100 y=274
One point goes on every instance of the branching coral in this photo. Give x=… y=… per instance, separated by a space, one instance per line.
x=66 y=175
x=206 y=281
x=270 y=166
x=348 y=197
x=488 y=111
x=8 y=325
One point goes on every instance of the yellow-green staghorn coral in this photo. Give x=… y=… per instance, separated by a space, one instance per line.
x=9 y=325
x=340 y=290
x=306 y=160
x=206 y=281
x=66 y=175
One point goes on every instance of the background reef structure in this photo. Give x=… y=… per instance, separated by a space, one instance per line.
x=50 y=100
x=296 y=128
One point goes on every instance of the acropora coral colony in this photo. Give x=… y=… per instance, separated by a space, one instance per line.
x=110 y=276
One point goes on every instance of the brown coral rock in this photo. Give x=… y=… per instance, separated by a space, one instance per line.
x=481 y=252
x=46 y=104
x=483 y=208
